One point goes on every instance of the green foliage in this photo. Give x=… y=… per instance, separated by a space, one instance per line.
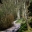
x=21 y=21
x=7 y=14
x=23 y=27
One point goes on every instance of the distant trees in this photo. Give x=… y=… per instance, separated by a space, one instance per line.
x=25 y=13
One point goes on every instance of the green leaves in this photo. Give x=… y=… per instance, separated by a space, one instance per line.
x=23 y=27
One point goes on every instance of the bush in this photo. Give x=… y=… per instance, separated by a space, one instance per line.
x=23 y=27
x=6 y=21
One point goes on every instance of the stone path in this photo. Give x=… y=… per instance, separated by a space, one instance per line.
x=14 y=28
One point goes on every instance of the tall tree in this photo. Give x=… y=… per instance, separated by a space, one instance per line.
x=17 y=9
x=26 y=4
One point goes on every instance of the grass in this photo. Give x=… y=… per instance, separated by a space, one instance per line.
x=20 y=21
x=23 y=21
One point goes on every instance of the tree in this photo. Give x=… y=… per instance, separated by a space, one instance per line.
x=17 y=8
x=25 y=11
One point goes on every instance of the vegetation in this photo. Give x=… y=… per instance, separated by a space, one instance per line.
x=23 y=27
x=9 y=11
x=21 y=21
x=6 y=21
x=7 y=14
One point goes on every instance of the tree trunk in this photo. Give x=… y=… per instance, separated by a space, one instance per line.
x=17 y=9
x=18 y=13
x=26 y=16
x=23 y=10
x=16 y=1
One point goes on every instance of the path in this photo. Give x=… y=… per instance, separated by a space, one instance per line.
x=14 y=28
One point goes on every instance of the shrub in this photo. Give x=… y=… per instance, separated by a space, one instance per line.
x=6 y=14
x=23 y=27
x=6 y=21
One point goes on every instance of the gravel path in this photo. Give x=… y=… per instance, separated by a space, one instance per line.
x=14 y=28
